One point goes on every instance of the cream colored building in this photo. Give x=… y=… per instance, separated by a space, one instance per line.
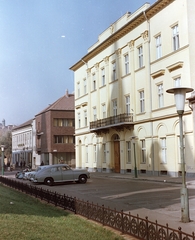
x=120 y=92
x=24 y=145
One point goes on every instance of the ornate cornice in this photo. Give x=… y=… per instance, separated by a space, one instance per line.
x=139 y=19
x=159 y=73
x=175 y=66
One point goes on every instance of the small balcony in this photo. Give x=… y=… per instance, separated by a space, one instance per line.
x=119 y=122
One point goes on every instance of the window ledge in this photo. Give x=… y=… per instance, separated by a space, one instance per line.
x=175 y=66
x=159 y=73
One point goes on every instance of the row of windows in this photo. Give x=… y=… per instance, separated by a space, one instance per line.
x=63 y=122
x=129 y=154
x=24 y=139
x=175 y=37
x=64 y=139
x=177 y=83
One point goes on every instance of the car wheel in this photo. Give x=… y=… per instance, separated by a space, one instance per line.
x=82 y=179
x=49 y=181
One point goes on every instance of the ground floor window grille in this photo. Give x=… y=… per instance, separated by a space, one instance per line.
x=95 y=153
x=104 y=152
x=163 y=150
x=143 y=151
x=128 y=152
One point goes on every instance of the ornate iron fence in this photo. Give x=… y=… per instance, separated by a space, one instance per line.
x=123 y=222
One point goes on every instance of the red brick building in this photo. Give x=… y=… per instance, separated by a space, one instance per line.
x=55 y=127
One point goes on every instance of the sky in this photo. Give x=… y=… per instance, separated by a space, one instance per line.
x=39 y=41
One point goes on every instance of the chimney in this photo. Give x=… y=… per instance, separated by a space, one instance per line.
x=66 y=92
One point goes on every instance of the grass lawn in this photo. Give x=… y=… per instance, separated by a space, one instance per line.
x=25 y=218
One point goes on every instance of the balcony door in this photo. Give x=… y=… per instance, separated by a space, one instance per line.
x=117 y=154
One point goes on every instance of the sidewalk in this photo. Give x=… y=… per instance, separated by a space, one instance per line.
x=172 y=213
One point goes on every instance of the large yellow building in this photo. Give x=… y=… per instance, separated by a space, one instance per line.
x=123 y=115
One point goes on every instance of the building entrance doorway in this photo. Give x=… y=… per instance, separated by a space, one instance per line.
x=116 y=154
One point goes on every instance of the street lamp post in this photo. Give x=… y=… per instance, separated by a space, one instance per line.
x=133 y=138
x=2 y=159
x=180 y=96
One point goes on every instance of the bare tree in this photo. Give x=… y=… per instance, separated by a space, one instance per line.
x=7 y=141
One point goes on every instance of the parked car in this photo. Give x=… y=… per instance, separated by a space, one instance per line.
x=27 y=175
x=22 y=174
x=50 y=174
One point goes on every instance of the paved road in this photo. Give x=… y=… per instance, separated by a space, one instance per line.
x=122 y=194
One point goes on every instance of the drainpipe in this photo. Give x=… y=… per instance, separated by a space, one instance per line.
x=149 y=67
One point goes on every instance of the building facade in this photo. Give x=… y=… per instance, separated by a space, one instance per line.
x=23 y=145
x=123 y=116
x=55 y=127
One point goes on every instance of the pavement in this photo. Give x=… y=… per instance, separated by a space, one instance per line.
x=170 y=215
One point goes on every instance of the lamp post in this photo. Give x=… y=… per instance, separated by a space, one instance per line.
x=2 y=158
x=133 y=138
x=180 y=96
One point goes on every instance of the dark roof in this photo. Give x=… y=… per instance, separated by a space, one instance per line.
x=64 y=103
x=27 y=123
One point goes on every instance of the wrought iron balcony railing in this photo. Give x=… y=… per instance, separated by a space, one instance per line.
x=114 y=121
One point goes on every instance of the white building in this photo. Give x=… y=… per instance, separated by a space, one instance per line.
x=120 y=92
x=23 y=145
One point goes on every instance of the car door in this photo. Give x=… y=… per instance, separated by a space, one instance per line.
x=67 y=173
x=56 y=174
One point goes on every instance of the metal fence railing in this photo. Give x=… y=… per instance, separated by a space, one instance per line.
x=125 y=223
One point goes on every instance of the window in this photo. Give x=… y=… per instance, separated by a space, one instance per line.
x=78 y=89
x=94 y=82
x=127 y=99
x=177 y=82
x=103 y=77
x=140 y=56
x=114 y=71
x=64 y=139
x=163 y=150
x=142 y=101
x=85 y=118
x=63 y=122
x=104 y=110
x=54 y=169
x=104 y=152
x=79 y=120
x=84 y=86
x=175 y=31
x=126 y=63
x=128 y=152
x=143 y=151
x=114 y=102
x=160 y=95
x=158 y=47
x=94 y=114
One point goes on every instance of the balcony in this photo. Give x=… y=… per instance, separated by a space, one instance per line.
x=119 y=123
